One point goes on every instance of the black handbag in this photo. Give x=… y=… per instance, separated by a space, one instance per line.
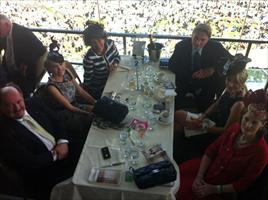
x=154 y=174
x=110 y=110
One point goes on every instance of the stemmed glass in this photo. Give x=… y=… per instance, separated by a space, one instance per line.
x=141 y=134
x=133 y=156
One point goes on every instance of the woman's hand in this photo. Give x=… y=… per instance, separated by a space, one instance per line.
x=202 y=117
x=89 y=108
x=202 y=189
x=197 y=183
x=113 y=67
x=193 y=124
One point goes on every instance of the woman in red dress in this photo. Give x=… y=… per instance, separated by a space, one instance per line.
x=232 y=162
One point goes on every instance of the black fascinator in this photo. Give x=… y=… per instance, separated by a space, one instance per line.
x=54 y=54
x=93 y=30
x=235 y=65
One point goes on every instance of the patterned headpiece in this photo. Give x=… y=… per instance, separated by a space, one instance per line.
x=235 y=65
x=258 y=110
x=257 y=102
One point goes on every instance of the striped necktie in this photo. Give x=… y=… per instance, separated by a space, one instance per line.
x=38 y=129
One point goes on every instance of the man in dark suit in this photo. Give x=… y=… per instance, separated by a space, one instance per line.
x=195 y=63
x=23 y=54
x=41 y=161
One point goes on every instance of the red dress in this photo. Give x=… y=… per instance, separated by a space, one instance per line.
x=239 y=167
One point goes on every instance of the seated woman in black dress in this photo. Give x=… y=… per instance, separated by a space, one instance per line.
x=63 y=92
x=203 y=128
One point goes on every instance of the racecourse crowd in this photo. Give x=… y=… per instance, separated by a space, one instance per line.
x=228 y=19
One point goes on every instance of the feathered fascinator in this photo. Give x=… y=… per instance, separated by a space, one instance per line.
x=257 y=102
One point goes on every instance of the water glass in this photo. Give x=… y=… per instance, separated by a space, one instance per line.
x=133 y=156
x=152 y=121
x=131 y=80
x=123 y=136
x=147 y=103
x=125 y=151
x=131 y=101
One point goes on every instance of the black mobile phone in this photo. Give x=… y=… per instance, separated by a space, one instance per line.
x=105 y=153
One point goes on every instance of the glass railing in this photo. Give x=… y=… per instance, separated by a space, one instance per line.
x=73 y=49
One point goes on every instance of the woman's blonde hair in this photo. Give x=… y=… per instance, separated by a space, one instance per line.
x=241 y=78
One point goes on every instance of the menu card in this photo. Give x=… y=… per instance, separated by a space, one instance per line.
x=137 y=129
x=155 y=153
x=104 y=175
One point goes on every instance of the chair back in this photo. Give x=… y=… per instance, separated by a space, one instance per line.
x=69 y=66
x=41 y=91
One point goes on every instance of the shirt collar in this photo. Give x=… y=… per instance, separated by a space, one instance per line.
x=197 y=50
x=25 y=114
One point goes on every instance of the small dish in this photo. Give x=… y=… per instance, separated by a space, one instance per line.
x=164 y=123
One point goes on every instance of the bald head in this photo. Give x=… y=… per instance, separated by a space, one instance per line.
x=5 y=26
x=11 y=102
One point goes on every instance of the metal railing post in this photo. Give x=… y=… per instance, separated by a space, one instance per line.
x=125 y=45
x=248 y=48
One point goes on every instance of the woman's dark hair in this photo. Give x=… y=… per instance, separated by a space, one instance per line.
x=93 y=31
x=54 y=54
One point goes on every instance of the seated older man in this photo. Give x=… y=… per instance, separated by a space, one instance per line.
x=33 y=142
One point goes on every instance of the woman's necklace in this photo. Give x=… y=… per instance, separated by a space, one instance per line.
x=57 y=79
x=242 y=140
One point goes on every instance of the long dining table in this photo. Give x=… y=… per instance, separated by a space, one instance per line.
x=80 y=188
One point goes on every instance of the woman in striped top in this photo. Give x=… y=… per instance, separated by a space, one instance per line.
x=101 y=59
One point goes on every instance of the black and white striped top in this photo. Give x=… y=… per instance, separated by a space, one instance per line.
x=96 y=67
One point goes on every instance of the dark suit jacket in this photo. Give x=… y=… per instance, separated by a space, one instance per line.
x=181 y=64
x=22 y=152
x=27 y=49
x=20 y=148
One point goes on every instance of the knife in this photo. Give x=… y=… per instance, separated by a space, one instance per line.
x=113 y=164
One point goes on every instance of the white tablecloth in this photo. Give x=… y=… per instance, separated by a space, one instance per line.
x=81 y=189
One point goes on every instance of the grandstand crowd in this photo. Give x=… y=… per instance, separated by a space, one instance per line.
x=216 y=124
x=169 y=17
